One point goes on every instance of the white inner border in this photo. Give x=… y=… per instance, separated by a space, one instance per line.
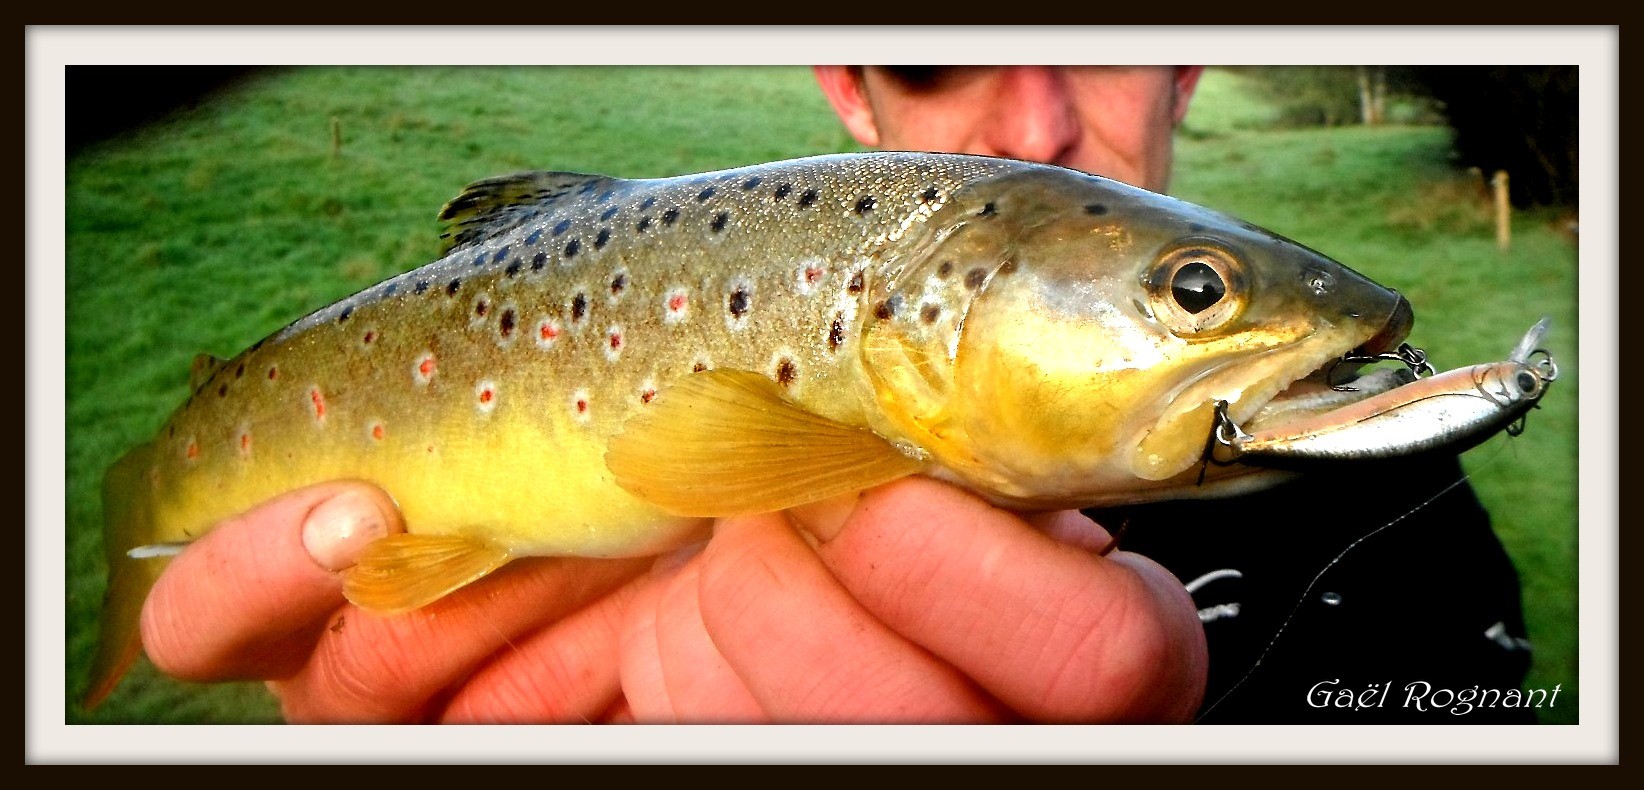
x=47 y=739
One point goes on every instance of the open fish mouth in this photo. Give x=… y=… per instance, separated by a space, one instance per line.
x=1338 y=383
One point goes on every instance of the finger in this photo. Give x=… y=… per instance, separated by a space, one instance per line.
x=564 y=673
x=1052 y=630
x=644 y=689
x=249 y=598
x=805 y=649
x=377 y=668
x=702 y=686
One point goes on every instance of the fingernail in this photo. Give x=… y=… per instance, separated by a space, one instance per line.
x=340 y=527
x=822 y=521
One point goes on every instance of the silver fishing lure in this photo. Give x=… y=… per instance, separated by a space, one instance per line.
x=1454 y=410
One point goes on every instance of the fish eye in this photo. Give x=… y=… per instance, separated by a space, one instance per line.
x=1196 y=288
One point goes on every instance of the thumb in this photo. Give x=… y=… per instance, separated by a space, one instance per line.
x=248 y=600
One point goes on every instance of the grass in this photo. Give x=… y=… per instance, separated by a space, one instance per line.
x=218 y=225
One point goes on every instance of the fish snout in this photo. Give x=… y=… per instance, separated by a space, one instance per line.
x=1393 y=331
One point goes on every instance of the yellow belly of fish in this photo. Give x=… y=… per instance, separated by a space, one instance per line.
x=517 y=485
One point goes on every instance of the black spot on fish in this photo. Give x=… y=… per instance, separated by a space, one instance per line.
x=239 y=371
x=579 y=306
x=649 y=202
x=751 y=183
x=786 y=372
x=587 y=186
x=451 y=288
x=538 y=261
x=1008 y=267
x=929 y=195
x=390 y=289
x=602 y=239
x=644 y=222
x=346 y=312
x=808 y=199
x=1095 y=209
x=502 y=255
x=670 y=215
x=929 y=313
x=512 y=270
x=535 y=236
x=945 y=269
x=609 y=213
x=866 y=204
x=606 y=195
x=836 y=333
x=988 y=210
x=855 y=285
x=505 y=323
x=975 y=277
x=571 y=248
x=782 y=191
x=702 y=197
x=222 y=391
x=480 y=308
x=719 y=221
x=564 y=225
x=618 y=283
x=421 y=286
x=738 y=302
x=887 y=308
x=479 y=260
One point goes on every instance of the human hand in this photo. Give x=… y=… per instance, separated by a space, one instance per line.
x=922 y=605
x=918 y=603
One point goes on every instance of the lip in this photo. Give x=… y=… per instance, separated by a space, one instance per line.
x=1338 y=384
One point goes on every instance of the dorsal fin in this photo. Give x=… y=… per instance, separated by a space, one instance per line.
x=499 y=204
x=204 y=367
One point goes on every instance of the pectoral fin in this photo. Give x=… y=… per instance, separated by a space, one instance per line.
x=403 y=572
x=728 y=442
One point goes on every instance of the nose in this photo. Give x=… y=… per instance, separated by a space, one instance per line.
x=1034 y=117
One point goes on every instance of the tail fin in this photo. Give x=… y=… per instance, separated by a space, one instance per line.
x=128 y=522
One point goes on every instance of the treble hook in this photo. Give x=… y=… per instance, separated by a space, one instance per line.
x=1413 y=358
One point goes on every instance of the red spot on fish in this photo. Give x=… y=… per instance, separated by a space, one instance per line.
x=318 y=399
x=370 y=336
x=676 y=302
x=616 y=341
x=245 y=443
x=193 y=451
x=547 y=331
x=486 y=395
x=273 y=373
x=582 y=406
x=647 y=395
x=812 y=274
x=425 y=368
x=377 y=431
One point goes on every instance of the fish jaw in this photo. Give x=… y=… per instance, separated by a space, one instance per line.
x=1287 y=380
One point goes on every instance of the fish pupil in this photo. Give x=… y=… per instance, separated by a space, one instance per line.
x=1197 y=287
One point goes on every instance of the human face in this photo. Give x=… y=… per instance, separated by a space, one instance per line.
x=1115 y=121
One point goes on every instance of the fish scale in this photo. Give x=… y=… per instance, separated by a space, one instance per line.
x=597 y=364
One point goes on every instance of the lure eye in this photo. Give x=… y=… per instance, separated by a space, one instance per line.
x=1197 y=288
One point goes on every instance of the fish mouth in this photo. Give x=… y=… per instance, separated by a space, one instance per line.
x=1338 y=383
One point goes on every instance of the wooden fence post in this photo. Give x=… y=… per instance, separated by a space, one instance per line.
x=1504 y=226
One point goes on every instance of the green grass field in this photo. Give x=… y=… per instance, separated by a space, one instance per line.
x=219 y=225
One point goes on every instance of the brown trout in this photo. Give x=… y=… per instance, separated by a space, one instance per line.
x=596 y=365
